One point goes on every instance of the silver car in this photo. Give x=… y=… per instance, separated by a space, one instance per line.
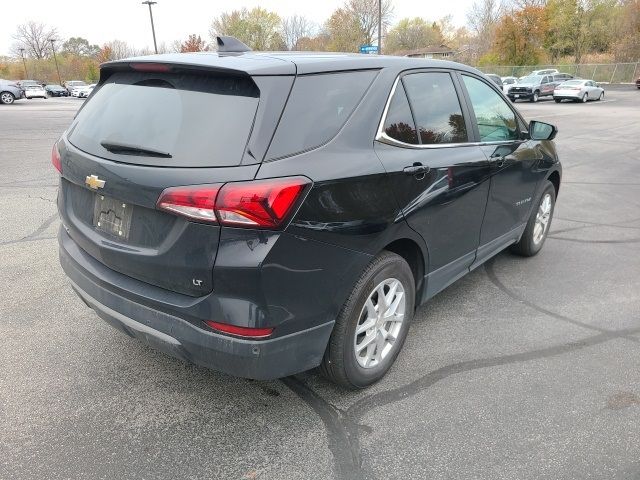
x=9 y=92
x=578 y=91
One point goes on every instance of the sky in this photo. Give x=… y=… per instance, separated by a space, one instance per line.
x=128 y=20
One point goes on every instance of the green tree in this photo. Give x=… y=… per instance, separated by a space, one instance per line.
x=79 y=46
x=413 y=33
x=258 y=28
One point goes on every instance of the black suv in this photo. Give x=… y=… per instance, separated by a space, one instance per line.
x=266 y=213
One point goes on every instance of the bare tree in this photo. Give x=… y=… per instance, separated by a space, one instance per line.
x=294 y=28
x=34 y=38
x=483 y=17
x=366 y=14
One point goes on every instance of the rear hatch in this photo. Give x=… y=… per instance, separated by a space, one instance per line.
x=148 y=127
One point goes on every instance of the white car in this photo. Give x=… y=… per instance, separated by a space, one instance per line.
x=35 y=91
x=578 y=91
x=507 y=83
x=83 y=92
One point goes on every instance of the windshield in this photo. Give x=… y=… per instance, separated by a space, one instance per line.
x=168 y=119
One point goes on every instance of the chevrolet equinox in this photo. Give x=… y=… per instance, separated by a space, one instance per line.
x=263 y=214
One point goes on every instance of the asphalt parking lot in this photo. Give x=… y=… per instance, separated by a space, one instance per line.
x=526 y=368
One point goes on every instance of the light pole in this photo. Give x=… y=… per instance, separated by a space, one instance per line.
x=379 y=27
x=153 y=30
x=52 y=40
x=24 y=62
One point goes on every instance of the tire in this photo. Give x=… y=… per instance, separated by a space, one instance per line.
x=535 y=96
x=513 y=100
x=341 y=364
x=585 y=98
x=558 y=100
x=531 y=243
x=7 y=98
x=601 y=96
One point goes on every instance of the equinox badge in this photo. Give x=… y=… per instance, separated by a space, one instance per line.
x=94 y=182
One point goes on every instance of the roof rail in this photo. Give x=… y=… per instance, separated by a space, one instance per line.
x=230 y=44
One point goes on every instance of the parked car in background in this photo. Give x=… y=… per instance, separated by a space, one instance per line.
x=35 y=91
x=26 y=83
x=495 y=79
x=532 y=88
x=73 y=84
x=562 y=77
x=56 y=91
x=334 y=197
x=507 y=83
x=546 y=71
x=84 y=92
x=10 y=92
x=578 y=91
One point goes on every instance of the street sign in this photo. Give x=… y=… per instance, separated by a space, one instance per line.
x=368 y=49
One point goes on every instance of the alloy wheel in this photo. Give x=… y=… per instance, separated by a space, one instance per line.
x=379 y=323
x=6 y=98
x=542 y=219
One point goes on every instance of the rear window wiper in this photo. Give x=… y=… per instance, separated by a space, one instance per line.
x=125 y=149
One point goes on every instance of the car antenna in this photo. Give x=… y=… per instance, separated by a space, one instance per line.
x=227 y=44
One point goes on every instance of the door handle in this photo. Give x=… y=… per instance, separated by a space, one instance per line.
x=416 y=169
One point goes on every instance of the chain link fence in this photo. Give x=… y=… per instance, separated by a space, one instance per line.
x=600 y=72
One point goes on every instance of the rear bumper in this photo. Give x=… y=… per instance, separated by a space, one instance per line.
x=256 y=359
x=567 y=96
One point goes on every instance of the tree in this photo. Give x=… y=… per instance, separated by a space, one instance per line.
x=413 y=33
x=294 y=28
x=579 y=26
x=258 y=28
x=627 y=46
x=317 y=43
x=193 y=44
x=365 y=13
x=115 y=50
x=483 y=17
x=79 y=46
x=344 y=32
x=520 y=36
x=34 y=38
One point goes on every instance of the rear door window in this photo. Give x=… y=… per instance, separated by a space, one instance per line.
x=168 y=119
x=399 y=123
x=318 y=107
x=436 y=108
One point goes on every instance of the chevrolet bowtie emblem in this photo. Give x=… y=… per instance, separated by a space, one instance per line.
x=94 y=182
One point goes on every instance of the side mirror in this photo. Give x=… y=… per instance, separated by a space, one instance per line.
x=542 y=131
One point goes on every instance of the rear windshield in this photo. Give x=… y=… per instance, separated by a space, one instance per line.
x=168 y=119
x=318 y=107
x=573 y=82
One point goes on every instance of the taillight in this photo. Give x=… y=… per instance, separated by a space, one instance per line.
x=261 y=203
x=195 y=202
x=55 y=158
x=244 y=332
x=255 y=204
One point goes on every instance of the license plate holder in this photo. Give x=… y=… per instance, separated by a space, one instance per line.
x=112 y=216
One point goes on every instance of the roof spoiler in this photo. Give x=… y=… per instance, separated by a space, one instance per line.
x=227 y=44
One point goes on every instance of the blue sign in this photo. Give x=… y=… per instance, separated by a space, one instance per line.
x=368 y=49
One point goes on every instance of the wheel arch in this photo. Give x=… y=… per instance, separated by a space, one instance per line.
x=417 y=258
x=554 y=178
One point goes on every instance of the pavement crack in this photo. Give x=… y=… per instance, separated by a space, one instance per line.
x=489 y=269
x=343 y=439
x=33 y=235
x=359 y=409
